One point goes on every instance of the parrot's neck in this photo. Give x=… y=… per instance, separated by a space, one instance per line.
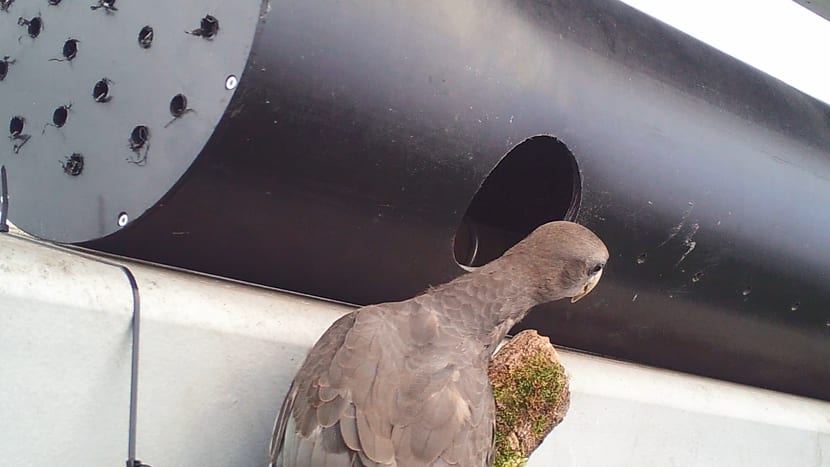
x=492 y=299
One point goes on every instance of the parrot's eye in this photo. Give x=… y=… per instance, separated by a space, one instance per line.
x=597 y=268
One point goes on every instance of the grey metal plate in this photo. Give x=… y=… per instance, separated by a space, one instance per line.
x=142 y=81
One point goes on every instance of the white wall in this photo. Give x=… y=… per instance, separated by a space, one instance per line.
x=217 y=358
x=779 y=37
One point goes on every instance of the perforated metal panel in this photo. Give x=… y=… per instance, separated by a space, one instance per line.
x=107 y=104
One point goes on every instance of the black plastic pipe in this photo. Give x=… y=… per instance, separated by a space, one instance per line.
x=359 y=134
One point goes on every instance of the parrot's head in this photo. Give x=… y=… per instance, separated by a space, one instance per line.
x=567 y=260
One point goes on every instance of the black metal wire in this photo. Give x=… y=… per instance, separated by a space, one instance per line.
x=136 y=332
x=131 y=436
x=4 y=200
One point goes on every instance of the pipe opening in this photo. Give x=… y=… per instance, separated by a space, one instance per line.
x=536 y=182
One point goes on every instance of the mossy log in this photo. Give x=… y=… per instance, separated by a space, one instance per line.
x=532 y=397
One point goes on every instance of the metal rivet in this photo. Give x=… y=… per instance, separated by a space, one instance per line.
x=231 y=82
x=123 y=218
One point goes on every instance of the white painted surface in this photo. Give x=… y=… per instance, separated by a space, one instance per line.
x=217 y=358
x=779 y=37
x=629 y=415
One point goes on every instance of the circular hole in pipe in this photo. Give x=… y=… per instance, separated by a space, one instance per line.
x=145 y=37
x=139 y=137
x=538 y=181
x=60 y=115
x=16 y=125
x=70 y=49
x=101 y=91
x=178 y=105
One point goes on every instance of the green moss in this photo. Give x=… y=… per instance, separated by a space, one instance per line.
x=525 y=400
x=509 y=459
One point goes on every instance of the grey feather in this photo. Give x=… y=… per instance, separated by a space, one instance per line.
x=405 y=384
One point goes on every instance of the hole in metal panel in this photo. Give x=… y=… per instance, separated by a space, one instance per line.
x=178 y=105
x=145 y=37
x=139 y=137
x=60 y=115
x=208 y=27
x=16 y=125
x=73 y=165
x=101 y=91
x=70 y=49
x=34 y=26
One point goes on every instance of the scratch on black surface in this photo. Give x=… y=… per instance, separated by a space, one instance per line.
x=675 y=231
x=690 y=244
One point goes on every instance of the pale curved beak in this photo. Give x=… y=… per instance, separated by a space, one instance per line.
x=589 y=286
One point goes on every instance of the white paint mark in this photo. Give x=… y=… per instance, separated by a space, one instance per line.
x=690 y=244
x=677 y=228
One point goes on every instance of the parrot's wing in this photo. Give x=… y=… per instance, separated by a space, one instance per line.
x=379 y=388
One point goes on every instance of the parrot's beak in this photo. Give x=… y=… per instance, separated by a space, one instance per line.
x=589 y=286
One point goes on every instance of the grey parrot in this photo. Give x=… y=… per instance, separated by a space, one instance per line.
x=405 y=383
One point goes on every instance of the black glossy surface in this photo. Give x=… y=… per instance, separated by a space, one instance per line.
x=360 y=132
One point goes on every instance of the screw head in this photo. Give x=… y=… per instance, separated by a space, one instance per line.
x=231 y=82
x=123 y=219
